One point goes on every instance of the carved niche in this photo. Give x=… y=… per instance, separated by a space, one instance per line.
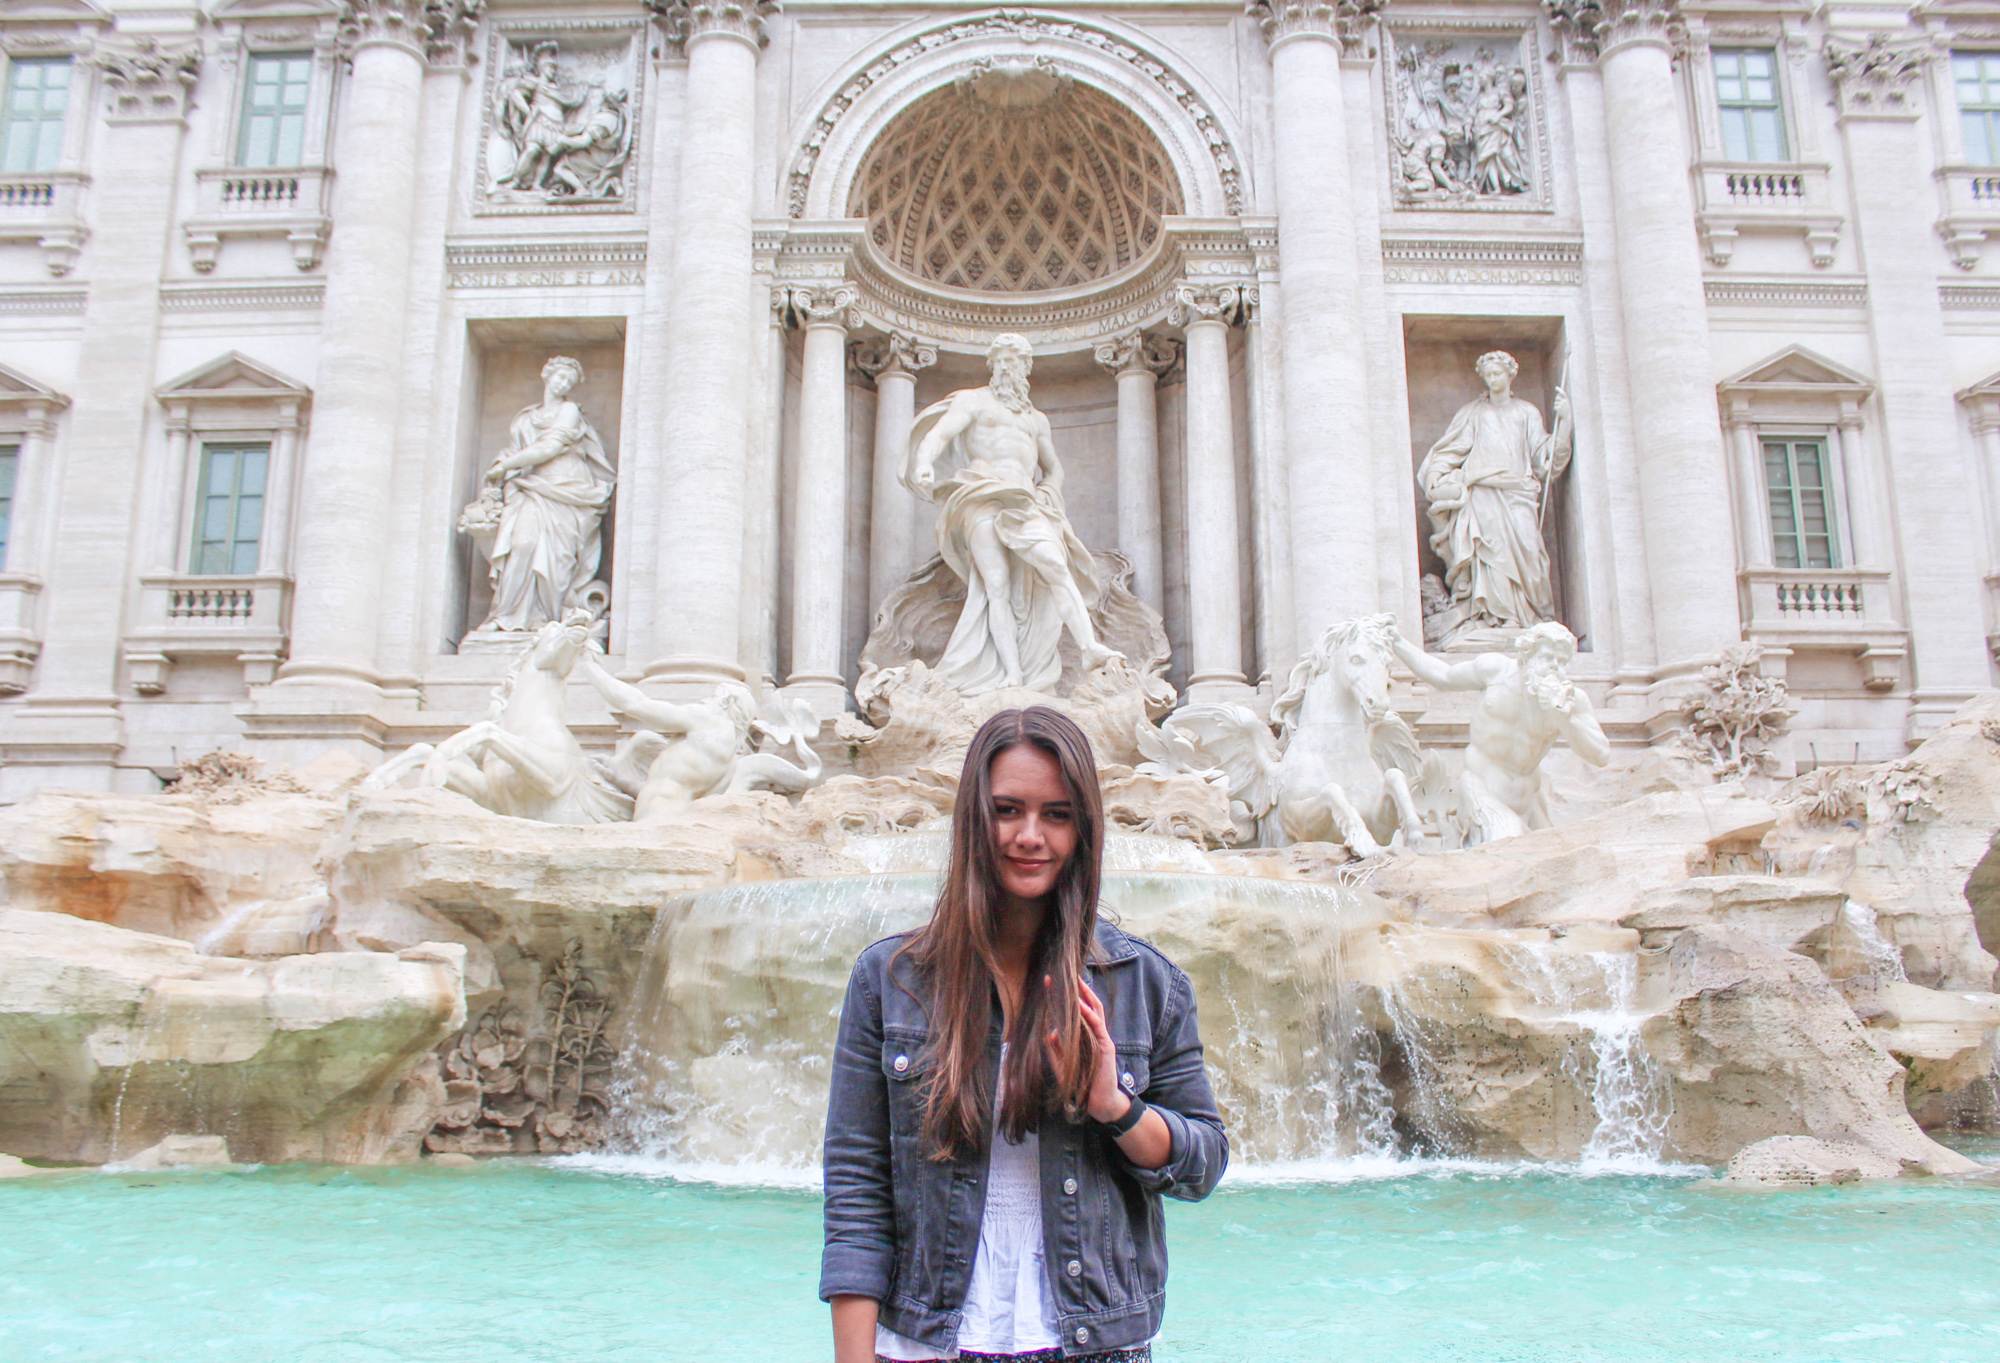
x=561 y=119
x=1467 y=121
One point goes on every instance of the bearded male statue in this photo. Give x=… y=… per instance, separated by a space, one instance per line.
x=1527 y=704
x=1002 y=529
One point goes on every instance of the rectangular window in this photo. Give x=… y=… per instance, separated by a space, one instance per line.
x=1753 y=116
x=1976 y=77
x=10 y=467
x=274 y=109
x=229 y=508
x=31 y=123
x=1795 y=477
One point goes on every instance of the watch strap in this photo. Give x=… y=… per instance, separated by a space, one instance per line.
x=1126 y=1122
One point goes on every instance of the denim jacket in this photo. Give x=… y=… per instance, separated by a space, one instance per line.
x=902 y=1229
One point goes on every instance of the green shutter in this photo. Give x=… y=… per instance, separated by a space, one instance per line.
x=31 y=120
x=10 y=468
x=273 y=126
x=1753 y=112
x=1800 y=494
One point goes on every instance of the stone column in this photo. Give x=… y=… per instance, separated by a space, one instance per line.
x=350 y=458
x=1683 y=474
x=70 y=726
x=893 y=364
x=1879 y=96
x=705 y=446
x=1215 y=581
x=762 y=562
x=819 y=500
x=1138 y=360
x=1270 y=527
x=1330 y=471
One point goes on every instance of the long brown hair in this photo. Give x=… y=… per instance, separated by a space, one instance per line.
x=956 y=957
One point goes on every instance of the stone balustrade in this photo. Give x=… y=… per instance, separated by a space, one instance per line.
x=291 y=203
x=188 y=616
x=1734 y=197
x=1827 y=610
x=45 y=207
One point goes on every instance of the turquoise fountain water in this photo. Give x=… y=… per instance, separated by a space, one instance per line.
x=566 y=1260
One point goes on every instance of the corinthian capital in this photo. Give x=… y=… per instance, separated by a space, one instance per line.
x=437 y=30
x=1879 y=77
x=1346 y=20
x=145 y=79
x=1589 y=29
x=685 y=20
x=1136 y=350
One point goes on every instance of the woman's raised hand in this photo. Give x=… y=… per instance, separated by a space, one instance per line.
x=1106 y=1101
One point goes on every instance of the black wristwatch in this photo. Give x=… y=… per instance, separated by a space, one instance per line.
x=1128 y=1121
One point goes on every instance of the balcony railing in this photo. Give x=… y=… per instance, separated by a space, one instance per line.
x=1737 y=197
x=1970 y=196
x=289 y=202
x=45 y=207
x=1841 y=610
x=187 y=616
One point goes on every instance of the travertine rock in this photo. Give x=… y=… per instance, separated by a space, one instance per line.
x=1785 y=913
x=1945 y=1040
x=179 y=865
x=1757 y=1042
x=111 y=1040
x=1597 y=869
x=13 y=1166
x=1803 y=1162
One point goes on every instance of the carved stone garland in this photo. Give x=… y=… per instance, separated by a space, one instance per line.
x=1020 y=26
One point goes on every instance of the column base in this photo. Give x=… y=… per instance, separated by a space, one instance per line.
x=690 y=678
x=1219 y=688
x=61 y=742
x=826 y=695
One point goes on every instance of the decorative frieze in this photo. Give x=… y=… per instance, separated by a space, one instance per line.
x=1460 y=260
x=34 y=302
x=259 y=298
x=1785 y=293
x=1020 y=27
x=146 y=80
x=1589 y=29
x=683 y=20
x=610 y=263
x=1465 y=112
x=1877 y=77
x=1346 y=20
x=561 y=118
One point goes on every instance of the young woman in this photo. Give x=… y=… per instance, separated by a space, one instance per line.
x=1015 y=1085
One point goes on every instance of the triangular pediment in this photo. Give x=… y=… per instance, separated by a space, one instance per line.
x=232 y=376
x=17 y=388
x=1794 y=368
x=1988 y=387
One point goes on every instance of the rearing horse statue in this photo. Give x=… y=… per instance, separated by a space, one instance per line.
x=1341 y=767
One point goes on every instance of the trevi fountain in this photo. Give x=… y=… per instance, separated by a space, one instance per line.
x=1507 y=488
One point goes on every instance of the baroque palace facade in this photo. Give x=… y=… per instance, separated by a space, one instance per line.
x=280 y=281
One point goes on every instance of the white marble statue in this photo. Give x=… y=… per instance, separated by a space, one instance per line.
x=1487 y=480
x=1003 y=530
x=540 y=518
x=1343 y=764
x=1527 y=704
x=689 y=750
x=522 y=760
x=570 y=139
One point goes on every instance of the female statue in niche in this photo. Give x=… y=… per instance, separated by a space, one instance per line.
x=1487 y=479
x=544 y=506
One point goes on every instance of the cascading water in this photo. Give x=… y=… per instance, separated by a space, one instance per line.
x=723 y=1066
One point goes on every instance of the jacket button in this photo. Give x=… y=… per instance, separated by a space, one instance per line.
x=1074 y=1268
x=1126 y=1080
x=903 y=1063
x=1083 y=1334
x=1069 y=1187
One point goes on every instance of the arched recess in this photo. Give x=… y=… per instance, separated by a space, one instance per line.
x=852 y=110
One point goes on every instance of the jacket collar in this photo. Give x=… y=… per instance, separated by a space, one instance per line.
x=1114 y=944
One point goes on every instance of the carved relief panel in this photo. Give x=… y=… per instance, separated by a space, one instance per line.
x=560 y=122
x=1466 y=115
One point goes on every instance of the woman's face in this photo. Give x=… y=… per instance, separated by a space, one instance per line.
x=1034 y=821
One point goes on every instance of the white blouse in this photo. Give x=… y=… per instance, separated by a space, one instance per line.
x=1007 y=1305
